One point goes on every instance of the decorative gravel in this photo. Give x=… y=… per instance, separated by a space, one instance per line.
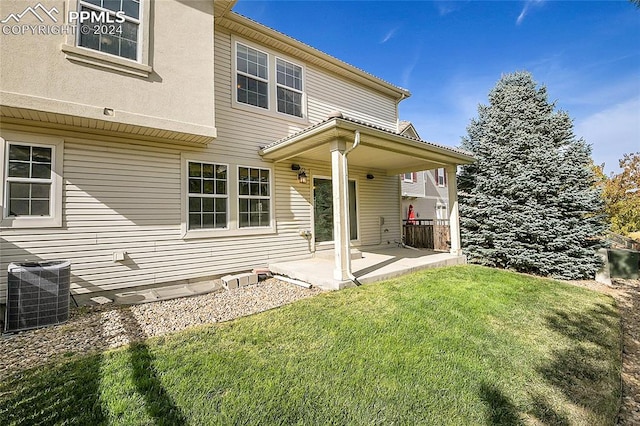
x=104 y=327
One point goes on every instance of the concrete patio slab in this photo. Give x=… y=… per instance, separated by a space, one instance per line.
x=373 y=266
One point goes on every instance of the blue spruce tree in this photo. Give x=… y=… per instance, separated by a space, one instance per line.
x=529 y=203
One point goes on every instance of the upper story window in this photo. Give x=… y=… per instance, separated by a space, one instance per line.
x=111 y=26
x=441 y=177
x=410 y=177
x=289 y=83
x=261 y=77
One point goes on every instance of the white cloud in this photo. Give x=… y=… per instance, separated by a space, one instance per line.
x=612 y=132
x=389 y=35
x=526 y=8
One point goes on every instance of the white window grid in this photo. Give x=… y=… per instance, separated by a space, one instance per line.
x=202 y=195
x=254 y=66
x=29 y=180
x=289 y=80
x=441 y=179
x=91 y=4
x=264 y=191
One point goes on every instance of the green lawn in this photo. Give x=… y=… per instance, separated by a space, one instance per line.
x=461 y=345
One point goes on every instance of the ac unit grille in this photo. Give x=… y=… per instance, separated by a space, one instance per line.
x=37 y=295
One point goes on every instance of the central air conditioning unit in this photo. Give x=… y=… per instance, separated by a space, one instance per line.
x=37 y=294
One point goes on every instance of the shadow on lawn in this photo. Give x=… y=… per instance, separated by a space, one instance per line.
x=501 y=411
x=63 y=394
x=585 y=370
x=158 y=403
x=69 y=392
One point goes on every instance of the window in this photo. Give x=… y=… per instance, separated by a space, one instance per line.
x=120 y=20
x=208 y=195
x=441 y=211
x=31 y=190
x=410 y=177
x=261 y=77
x=289 y=82
x=29 y=180
x=253 y=76
x=254 y=197
x=441 y=177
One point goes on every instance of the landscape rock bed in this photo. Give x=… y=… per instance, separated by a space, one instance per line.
x=97 y=328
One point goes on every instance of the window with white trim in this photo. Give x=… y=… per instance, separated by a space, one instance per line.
x=260 y=77
x=289 y=87
x=208 y=196
x=113 y=27
x=254 y=197
x=441 y=211
x=410 y=177
x=441 y=177
x=252 y=76
x=29 y=181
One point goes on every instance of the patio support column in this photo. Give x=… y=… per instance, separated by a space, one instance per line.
x=454 y=215
x=342 y=268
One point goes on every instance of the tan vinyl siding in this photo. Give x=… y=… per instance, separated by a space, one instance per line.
x=125 y=194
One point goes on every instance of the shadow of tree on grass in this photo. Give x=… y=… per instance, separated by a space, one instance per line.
x=500 y=409
x=586 y=370
x=66 y=393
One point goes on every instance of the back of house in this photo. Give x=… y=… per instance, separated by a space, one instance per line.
x=158 y=142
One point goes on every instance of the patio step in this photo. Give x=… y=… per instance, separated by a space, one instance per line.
x=328 y=254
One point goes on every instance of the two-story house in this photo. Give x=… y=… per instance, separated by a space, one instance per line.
x=160 y=141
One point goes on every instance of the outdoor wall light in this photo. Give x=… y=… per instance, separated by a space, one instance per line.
x=370 y=176
x=302 y=176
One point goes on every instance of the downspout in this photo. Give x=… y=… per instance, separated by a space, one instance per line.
x=356 y=143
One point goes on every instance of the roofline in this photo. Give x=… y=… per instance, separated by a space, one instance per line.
x=337 y=123
x=230 y=20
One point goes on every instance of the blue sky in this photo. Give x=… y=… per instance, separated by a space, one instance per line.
x=450 y=54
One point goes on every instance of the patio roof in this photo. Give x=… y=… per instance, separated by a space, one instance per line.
x=380 y=148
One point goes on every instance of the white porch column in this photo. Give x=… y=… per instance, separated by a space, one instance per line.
x=454 y=215
x=342 y=268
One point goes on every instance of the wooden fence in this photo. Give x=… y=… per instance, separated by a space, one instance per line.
x=427 y=233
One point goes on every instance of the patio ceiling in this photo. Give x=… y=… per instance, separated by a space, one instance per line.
x=379 y=149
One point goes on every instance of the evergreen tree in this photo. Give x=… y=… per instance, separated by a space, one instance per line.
x=529 y=203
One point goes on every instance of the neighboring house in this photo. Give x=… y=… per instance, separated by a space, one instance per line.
x=194 y=144
x=425 y=190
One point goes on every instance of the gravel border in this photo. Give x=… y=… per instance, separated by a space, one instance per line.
x=98 y=328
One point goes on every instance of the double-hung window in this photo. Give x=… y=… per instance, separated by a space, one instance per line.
x=262 y=77
x=441 y=177
x=208 y=195
x=29 y=181
x=112 y=26
x=253 y=76
x=254 y=197
x=289 y=87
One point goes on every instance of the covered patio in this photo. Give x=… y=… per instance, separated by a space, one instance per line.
x=342 y=143
x=368 y=266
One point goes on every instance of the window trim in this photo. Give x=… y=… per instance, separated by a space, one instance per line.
x=301 y=92
x=444 y=177
x=137 y=21
x=414 y=177
x=54 y=220
x=272 y=109
x=232 y=229
x=213 y=196
x=254 y=197
x=140 y=67
x=255 y=77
